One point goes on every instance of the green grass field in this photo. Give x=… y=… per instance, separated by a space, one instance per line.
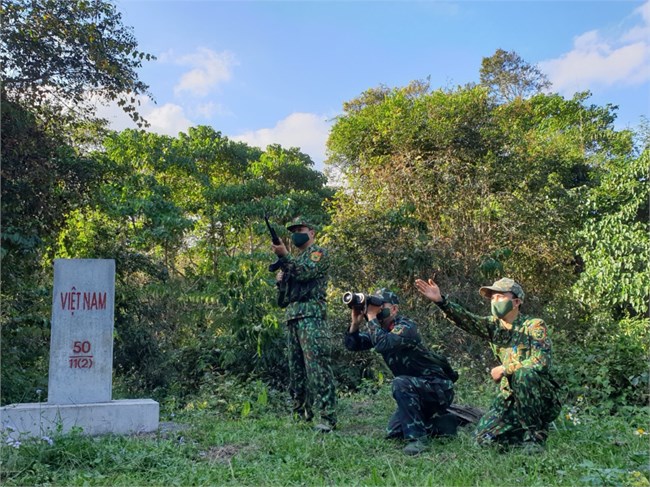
x=263 y=445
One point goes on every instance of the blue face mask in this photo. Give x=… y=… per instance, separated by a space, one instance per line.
x=299 y=239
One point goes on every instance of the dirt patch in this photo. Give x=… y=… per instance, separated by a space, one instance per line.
x=361 y=407
x=357 y=429
x=221 y=454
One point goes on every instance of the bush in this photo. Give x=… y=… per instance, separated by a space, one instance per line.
x=608 y=365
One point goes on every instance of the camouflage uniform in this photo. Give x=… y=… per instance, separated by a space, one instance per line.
x=303 y=293
x=423 y=383
x=527 y=400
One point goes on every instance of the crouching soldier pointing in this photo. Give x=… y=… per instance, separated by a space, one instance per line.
x=423 y=383
x=527 y=400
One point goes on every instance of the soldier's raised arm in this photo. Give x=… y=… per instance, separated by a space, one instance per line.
x=458 y=315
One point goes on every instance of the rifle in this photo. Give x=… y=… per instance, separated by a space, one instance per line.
x=276 y=240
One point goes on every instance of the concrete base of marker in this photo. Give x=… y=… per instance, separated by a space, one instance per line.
x=125 y=416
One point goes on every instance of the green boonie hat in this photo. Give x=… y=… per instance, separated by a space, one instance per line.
x=388 y=296
x=300 y=222
x=504 y=285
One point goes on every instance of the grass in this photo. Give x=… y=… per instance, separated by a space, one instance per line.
x=207 y=446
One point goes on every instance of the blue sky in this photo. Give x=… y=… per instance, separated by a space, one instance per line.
x=278 y=71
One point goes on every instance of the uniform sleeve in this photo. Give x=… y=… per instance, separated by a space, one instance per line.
x=403 y=335
x=357 y=342
x=539 y=357
x=482 y=326
x=313 y=265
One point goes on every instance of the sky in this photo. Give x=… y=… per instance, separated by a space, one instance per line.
x=266 y=72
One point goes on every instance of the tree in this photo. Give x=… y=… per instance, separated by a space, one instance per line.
x=182 y=217
x=613 y=286
x=482 y=178
x=58 y=55
x=509 y=77
x=43 y=179
x=615 y=237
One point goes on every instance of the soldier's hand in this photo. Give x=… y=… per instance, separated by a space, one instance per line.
x=280 y=250
x=498 y=372
x=429 y=290
x=357 y=319
x=372 y=311
x=357 y=315
x=279 y=276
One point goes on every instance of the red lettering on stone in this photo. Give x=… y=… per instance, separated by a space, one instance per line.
x=72 y=301
x=81 y=361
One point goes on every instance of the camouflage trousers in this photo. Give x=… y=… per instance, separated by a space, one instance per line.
x=522 y=411
x=311 y=380
x=421 y=408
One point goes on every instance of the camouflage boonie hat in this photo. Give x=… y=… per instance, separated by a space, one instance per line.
x=300 y=222
x=388 y=296
x=504 y=285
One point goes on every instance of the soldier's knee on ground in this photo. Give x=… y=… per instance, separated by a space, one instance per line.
x=444 y=425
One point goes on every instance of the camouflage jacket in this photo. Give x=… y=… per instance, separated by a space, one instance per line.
x=304 y=285
x=525 y=344
x=402 y=348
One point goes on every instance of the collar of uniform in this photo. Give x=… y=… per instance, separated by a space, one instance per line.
x=519 y=321
x=396 y=320
x=310 y=249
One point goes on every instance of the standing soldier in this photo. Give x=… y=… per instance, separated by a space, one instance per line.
x=302 y=283
x=527 y=400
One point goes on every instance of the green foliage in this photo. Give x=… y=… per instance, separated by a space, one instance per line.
x=55 y=57
x=611 y=368
x=25 y=342
x=541 y=189
x=613 y=288
x=455 y=183
x=183 y=219
x=42 y=179
x=493 y=181
x=509 y=77
x=58 y=55
x=616 y=240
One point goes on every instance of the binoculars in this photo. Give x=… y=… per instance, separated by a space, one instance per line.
x=360 y=300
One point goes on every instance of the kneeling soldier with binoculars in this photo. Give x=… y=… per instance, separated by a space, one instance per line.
x=423 y=383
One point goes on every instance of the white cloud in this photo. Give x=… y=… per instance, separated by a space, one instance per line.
x=167 y=119
x=208 y=70
x=601 y=60
x=307 y=131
